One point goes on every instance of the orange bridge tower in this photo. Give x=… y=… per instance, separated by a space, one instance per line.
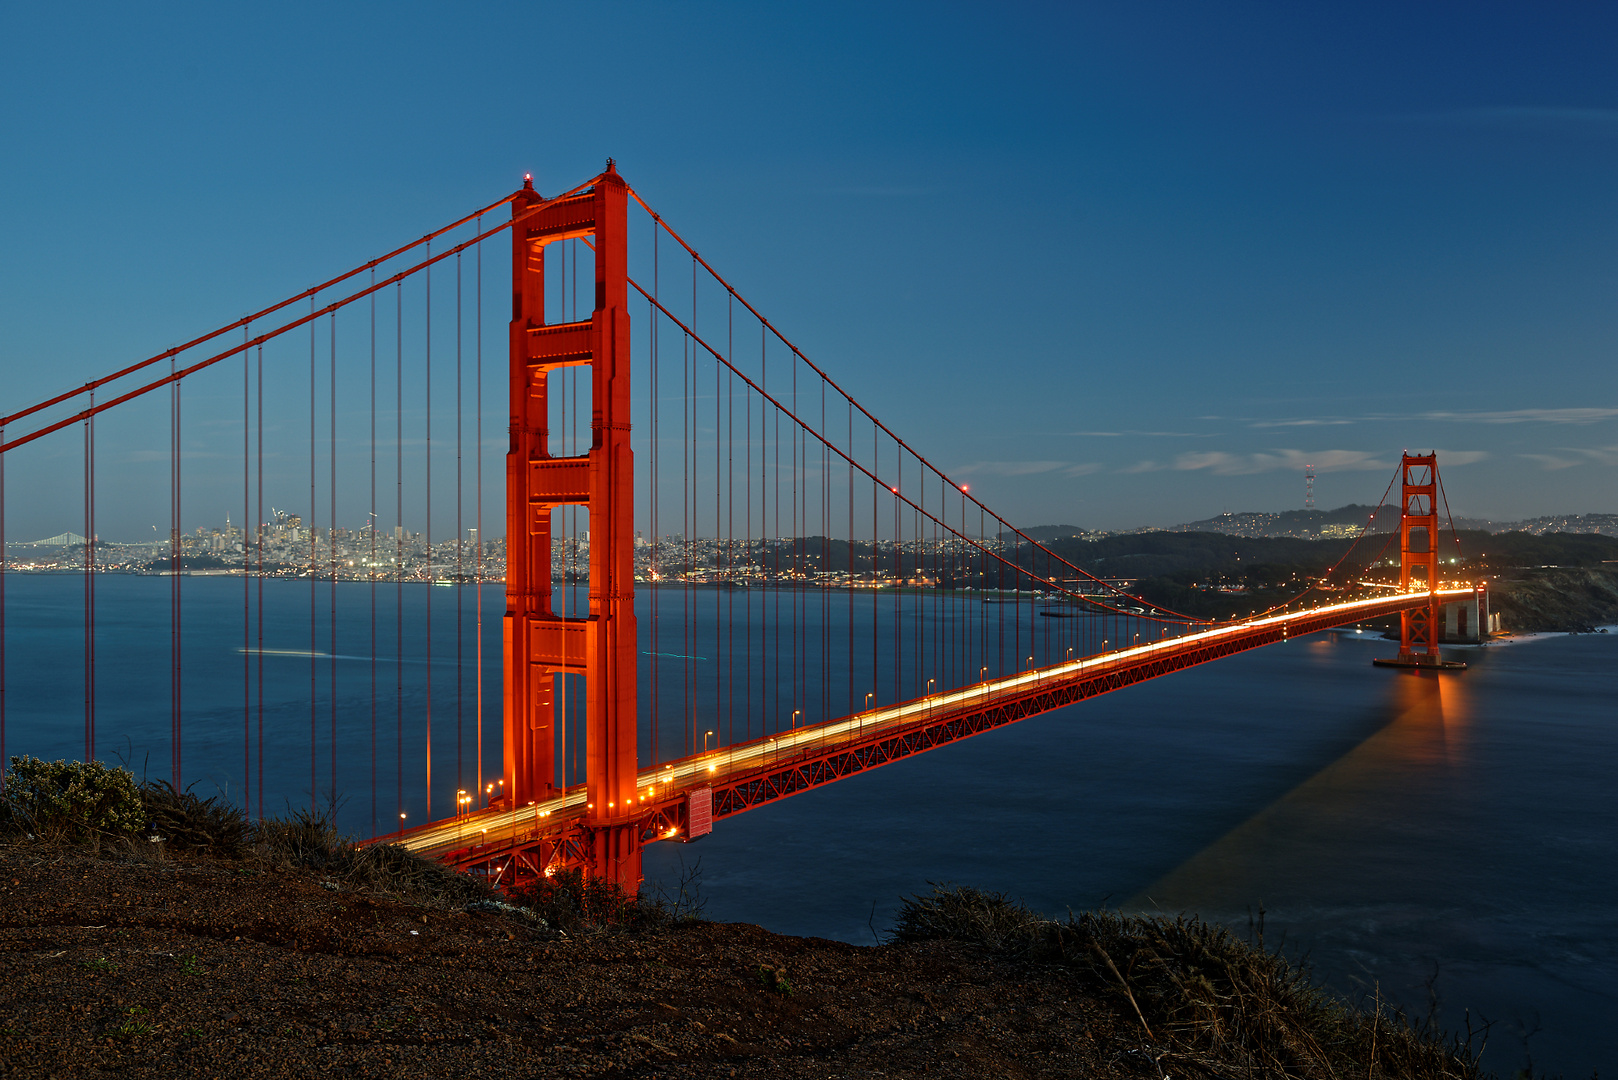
x=1419 y=627
x=545 y=652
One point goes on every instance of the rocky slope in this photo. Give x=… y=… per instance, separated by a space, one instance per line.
x=1555 y=598
x=138 y=967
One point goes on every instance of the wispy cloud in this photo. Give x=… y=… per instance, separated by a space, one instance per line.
x=1600 y=455
x=1299 y=423
x=1582 y=415
x=1526 y=416
x=1028 y=468
x=1011 y=468
x=1221 y=463
x=1142 y=434
x=1550 y=462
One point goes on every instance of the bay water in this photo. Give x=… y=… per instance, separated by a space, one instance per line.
x=1447 y=842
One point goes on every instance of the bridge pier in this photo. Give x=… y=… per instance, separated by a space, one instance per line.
x=1469 y=622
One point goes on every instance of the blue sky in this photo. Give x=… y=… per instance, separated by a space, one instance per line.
x=1118 y=265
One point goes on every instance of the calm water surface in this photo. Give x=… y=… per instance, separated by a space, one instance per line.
x=1448 y=838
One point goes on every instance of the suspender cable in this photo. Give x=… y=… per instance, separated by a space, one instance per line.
x=719 y=557
x=687 y=404
x=654 y=553
x=174 y=584
x=314 y=651
x=89 y=589
x=308 y=294
x=3 y=759
x=427 y=532
x=247 y=580
x=749 y=556
x=331 y=553
x=370 y=570
x=460 y=655
x=848 y=590
x=398 y=549
x=477 y=466
x=258 y=545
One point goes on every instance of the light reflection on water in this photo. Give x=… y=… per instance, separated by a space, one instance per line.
x=1419 y=836
x=1362 y=793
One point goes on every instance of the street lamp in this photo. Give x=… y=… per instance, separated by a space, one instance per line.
x=868 y=701
x=795 y=714
x=401 y=824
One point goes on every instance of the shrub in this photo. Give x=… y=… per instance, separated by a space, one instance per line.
x=310 y=839
x=78 y=799
x=1198 y=992
x=959 y=913
x=307 y=838
x=570 y=901
x=186 y=821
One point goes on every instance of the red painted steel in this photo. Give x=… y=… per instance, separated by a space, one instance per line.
x=538 y=824
x=1418 y=512
x=541 y=645
x=718 y=784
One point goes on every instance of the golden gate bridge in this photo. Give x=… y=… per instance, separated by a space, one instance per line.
x=672 y=459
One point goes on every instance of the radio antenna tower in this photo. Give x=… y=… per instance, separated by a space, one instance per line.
x=1308 y=487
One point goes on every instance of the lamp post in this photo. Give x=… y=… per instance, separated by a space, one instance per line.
x=706 y=735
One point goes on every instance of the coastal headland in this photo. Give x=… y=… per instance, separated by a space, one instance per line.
x=138 y=964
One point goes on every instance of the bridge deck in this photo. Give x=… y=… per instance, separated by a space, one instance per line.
x=750 y=774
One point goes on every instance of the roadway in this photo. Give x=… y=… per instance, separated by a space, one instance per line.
x=665 y=786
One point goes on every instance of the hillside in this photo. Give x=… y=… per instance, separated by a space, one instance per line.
x=1347 y=521
x=1215 y=576
x=139 y=963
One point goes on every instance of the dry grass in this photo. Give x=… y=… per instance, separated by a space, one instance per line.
x=202 y=825
x=310 y=840
x=1201 y=996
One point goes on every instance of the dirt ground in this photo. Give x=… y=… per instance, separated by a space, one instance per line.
x=135 y=966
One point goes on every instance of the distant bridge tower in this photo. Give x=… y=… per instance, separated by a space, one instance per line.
x=1308 y=487
x=1418 y=558
x=542 y=648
